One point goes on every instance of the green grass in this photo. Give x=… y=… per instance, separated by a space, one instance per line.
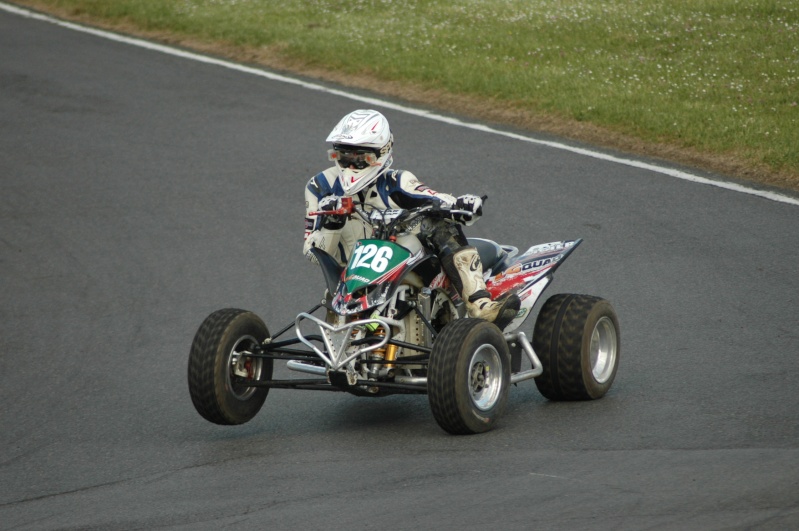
x=720 y=76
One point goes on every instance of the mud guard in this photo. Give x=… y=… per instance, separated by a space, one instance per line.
x=330 y=268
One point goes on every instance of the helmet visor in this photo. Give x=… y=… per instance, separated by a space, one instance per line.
x=353 y=157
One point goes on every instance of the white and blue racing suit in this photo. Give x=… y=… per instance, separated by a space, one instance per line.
x=393 y=189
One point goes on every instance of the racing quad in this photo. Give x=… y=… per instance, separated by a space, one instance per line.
x=391 y=322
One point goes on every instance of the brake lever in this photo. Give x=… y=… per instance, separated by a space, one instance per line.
x=347 y=206
x=339 y=212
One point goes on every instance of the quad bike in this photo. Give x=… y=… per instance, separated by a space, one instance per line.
x=390 y=322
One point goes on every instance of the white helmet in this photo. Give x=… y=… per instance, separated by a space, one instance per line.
x=362 y=143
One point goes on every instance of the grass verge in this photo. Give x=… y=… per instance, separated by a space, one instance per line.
x=710 y=83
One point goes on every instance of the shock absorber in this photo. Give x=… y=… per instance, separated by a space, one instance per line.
x=386 y=353
x=378 y=354
x=391 y=355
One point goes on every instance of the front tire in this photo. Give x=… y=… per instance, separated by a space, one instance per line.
x=218 y=361
x=578 y=341
x=468 y=376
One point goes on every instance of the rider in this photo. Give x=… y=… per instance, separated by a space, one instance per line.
x=362 y=153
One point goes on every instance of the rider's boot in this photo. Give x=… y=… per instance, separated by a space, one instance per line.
x=465 y=271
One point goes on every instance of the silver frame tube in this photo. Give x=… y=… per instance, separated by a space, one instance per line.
x=537 y=369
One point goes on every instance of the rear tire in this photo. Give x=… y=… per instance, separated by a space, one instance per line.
x=468 y=376
x=578 y=341
x=217 y=362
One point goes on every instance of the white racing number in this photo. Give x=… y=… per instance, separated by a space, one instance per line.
x=372 y=257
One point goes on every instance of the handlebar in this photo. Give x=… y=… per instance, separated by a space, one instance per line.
x=348 y=207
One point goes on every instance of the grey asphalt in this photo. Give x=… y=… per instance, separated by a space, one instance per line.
x=141 y=191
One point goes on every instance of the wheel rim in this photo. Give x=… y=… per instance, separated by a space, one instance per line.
x=238 y=363
x=604 y=350
x=485 y=377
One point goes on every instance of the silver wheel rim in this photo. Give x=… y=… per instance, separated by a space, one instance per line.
x=238 y=360
x=485 y=377
x=604 y=350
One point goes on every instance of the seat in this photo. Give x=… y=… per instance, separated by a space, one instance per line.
x=492 y=255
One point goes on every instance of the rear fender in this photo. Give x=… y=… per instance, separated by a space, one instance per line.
x=524 y=270
x=529 y=274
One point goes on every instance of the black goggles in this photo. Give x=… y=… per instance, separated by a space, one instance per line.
x=359 y=158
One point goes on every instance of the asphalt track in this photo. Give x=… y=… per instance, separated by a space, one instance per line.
x=141 y=191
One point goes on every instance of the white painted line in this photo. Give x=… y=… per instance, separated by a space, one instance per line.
x=773 y=196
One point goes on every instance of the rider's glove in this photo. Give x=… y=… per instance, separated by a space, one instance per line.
x=332 y=222
x=471 y=203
